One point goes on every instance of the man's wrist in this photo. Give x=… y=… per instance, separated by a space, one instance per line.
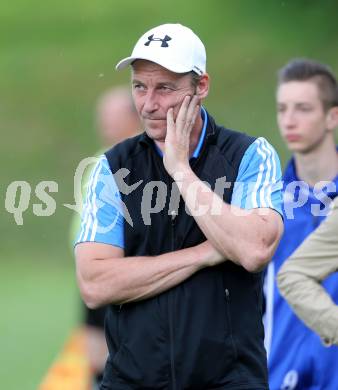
x=184 y=174
x=208 y=255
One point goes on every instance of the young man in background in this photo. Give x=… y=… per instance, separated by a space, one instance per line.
x=307 y=113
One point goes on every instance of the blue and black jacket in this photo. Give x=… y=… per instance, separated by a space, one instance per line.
x=207 y=332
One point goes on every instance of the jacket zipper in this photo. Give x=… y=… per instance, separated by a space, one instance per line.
x=227 y=297
x=170 y=309
x=118 y=325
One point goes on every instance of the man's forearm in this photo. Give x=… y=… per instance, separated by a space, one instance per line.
x=125 y=279
x=246 y=238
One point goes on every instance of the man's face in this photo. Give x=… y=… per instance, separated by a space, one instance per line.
x=301 y=116
x=155 y=90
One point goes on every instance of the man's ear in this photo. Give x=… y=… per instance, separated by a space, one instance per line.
x=202 y=88
x=332 y=118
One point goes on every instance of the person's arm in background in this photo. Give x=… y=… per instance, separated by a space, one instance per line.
x=300 y=276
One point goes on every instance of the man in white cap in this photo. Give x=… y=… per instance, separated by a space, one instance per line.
x=177 y=226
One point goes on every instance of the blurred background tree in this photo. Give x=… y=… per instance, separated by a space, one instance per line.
x=56 y=58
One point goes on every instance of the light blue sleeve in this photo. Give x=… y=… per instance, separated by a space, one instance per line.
x=258 y=182
x=102 y=216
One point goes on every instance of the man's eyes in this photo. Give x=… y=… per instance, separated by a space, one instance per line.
x=138 y=86
x=161 y=88
x=165 y=88
x=282 y=109
x=304 y=108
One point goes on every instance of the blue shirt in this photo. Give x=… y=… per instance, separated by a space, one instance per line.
x=296 y=357
x=258 y=185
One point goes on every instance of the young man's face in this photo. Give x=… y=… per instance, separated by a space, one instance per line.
x=301 y=116
x=155 y=90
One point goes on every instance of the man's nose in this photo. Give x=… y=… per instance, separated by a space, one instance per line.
x=150 y=102
x=289 y=119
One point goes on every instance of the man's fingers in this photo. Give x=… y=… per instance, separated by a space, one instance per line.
x=193 y=104
x=170 y=120
x=182 y=113
x=185 y=119
x=196 y=111
x=193 y=109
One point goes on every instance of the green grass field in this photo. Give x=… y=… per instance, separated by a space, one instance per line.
x=56 y=58
x=39 y=307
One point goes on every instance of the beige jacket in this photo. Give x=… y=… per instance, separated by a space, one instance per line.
x=300 y=276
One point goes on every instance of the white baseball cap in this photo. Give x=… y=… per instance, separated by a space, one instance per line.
x=173 y=46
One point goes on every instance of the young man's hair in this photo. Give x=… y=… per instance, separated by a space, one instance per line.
x=302 y=69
